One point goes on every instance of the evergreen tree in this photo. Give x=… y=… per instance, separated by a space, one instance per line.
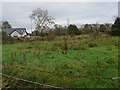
x=6 y=24
x=73 y=30
x=116 y=27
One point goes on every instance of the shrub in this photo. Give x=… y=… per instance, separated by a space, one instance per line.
x=79 y=47
x=73 y=30
x=110 y=61
x=50 y=37
x=109 y=48
x=65 y=47
x=92 y=44
x=116 y=27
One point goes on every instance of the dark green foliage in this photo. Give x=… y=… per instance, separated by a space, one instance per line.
x=102 y=28
x=92 y=44
x=108 y=28
x=6 y=24
x=59 y=30
x=91 y=28
x=73 y=30
x=116 y=27
x=105 y=28
x=43 y=34
x=37 y=33
x=5 y=38
x=87 y=28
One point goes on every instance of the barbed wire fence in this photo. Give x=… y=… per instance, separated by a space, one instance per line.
x=32 y=82
x=52 y=72
x=50 y=86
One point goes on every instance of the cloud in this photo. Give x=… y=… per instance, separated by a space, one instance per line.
x=17 y=13
x=59 y=0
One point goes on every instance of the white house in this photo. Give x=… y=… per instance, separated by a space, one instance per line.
x=16 y=32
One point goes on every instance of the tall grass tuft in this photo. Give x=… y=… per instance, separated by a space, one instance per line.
x=65 y=47
x=13 y=56
x=91 y=44
x=37 y=52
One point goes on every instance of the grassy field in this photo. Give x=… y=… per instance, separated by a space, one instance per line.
x=86 y=63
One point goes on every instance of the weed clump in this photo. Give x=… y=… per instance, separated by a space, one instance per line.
x=92 y=44
x=65 y=46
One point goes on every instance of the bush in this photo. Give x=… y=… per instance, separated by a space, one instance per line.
x=6 y=39
x=116 y=27
x=37 y=33
x=73 y=30
x=92 y=44
x=79 y=47
x=50 y=37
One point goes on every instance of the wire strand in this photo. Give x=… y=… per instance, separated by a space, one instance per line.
x=20 y=79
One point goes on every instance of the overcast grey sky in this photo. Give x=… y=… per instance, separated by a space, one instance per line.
x=17 y=13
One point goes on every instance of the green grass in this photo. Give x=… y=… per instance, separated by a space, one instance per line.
x=46 y=62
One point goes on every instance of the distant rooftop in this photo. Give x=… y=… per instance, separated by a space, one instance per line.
x=10 y=30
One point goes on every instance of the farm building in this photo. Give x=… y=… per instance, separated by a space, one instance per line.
x=15 y=32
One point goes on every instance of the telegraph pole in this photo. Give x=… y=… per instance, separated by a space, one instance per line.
x=31 y=25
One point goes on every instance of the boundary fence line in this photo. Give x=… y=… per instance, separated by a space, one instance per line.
x=82 y=76
x=33 y=82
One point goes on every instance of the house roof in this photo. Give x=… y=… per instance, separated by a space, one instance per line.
x=10 y=30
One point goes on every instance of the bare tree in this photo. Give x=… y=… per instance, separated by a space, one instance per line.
x=41 y=19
